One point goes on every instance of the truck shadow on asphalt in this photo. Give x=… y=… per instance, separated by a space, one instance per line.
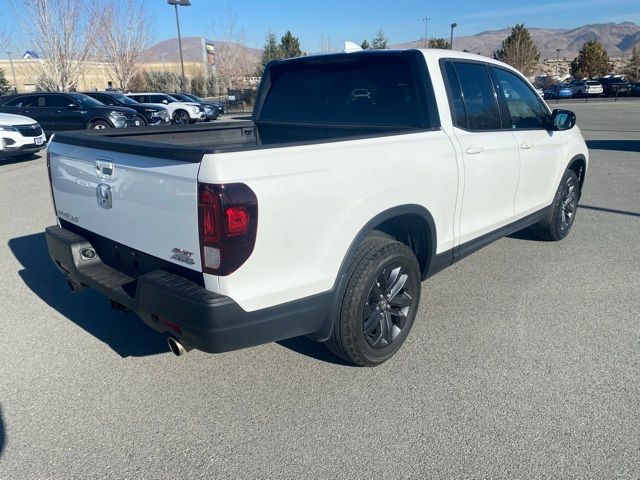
x=615 y=145
x=311 y=349
x=125 y=333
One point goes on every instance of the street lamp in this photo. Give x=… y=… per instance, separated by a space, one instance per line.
x=182 y=3
x=453 y=25
x=426 y=31
x=557 y=59
x=13 y=72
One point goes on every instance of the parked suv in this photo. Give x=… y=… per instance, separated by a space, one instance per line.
x=615 y=87
x=57 y=112
x=195 y=98
x=211 y=111
x=148 y=113
x=19 y=136
x=180 y=112
x=558 y=91
x=586 y=88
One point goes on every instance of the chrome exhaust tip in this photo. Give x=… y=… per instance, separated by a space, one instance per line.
x=176 y=347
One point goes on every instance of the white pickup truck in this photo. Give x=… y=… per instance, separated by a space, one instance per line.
x=359 y=176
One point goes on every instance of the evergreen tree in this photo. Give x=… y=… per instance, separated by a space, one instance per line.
x=365 y=45
x=592 y=61
x=439 y=43
x=4 y=84
x=290 y=46
x=380 y=42
x=632 y=68
x=519 y=51
x=271 y=51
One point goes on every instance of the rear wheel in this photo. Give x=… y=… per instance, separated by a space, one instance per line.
x=379 y=304
x=563 y=211
x=181 y=117
x=99 y=125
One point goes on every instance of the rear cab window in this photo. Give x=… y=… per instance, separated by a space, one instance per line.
x=351 y=89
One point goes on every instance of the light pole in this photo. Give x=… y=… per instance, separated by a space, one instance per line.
x=426 y=31
x=453 y=25
x=182 y=3
x=164 y=65
x=557 y=59
x=13 y=72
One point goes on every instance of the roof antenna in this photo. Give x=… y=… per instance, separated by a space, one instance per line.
x=350 y=47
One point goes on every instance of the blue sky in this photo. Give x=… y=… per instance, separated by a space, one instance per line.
x=341 y=20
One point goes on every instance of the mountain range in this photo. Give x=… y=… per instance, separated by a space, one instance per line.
x=617 y=38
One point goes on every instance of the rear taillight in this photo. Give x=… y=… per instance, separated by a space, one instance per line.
x=228 y=222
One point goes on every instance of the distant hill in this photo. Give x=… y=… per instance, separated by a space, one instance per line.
x=191 y=50
x=617 y=38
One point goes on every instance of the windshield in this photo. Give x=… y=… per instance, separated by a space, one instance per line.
x=171 y=99
x=593 y=83
x=193 y=97
x=182 y=97
x=124 y=99
x=86 y=101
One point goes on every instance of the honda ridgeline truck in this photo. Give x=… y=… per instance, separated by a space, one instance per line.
x=358 y=176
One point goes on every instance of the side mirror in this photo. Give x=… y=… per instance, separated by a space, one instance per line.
x=562 y=120
x=166 y=102
x=73 y=106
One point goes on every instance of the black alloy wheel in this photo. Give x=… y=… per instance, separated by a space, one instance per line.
x=387 y=307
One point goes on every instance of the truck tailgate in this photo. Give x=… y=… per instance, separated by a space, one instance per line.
x=145 y=203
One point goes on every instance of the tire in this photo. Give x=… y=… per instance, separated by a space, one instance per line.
x=99 y=125
x=143 y=122
x=379 y=304
x=563 y=211
x=181 y=117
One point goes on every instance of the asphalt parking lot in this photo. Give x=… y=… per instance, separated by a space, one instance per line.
x=524 y=362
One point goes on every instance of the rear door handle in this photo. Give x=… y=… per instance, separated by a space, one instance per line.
x=526 y=146
x=474 y=150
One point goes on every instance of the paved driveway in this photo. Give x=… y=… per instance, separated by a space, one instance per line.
x=524 y=362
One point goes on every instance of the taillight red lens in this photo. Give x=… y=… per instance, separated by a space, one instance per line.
x=237 y=220
x=228 y=220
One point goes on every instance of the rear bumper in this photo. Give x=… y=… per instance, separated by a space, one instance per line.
x=171 y=304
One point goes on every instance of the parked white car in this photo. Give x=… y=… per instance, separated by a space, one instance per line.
x=587 y=87
x=323 y=214
x=180 y=112
x=20 y=135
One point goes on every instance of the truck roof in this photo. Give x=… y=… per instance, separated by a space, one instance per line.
x=434 y=54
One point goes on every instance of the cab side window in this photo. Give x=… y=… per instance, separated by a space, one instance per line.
x=58 y=101
x=35 y=101
x=478 y=95
x=458 y=112
x=524 y=106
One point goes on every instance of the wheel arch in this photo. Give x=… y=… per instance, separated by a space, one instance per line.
x=579 y=165
x=99 y=119
x=410 y=224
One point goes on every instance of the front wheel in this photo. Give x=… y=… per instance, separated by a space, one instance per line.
x=379 y=304
x=99 y=125
x=563 y=210
x=181 y=117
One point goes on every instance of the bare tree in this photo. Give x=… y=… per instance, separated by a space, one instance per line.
x=63 y=33
x=234 y=63
x=124 y=35
x=326 y=45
